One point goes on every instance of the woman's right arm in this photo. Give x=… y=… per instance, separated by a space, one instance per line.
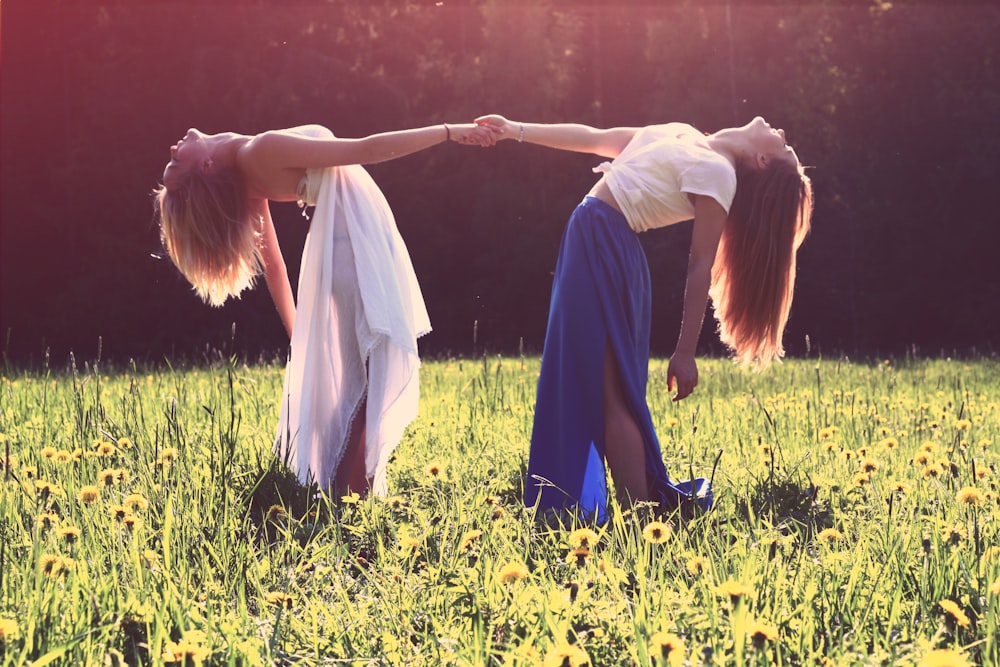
x=564 y=136
x=275 y=273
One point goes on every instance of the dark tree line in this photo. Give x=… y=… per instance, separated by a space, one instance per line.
x=895 y=105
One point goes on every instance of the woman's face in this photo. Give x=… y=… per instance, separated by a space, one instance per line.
x=192 y=151
x=767 y=141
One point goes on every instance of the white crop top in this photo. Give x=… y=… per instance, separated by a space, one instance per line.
x=660 y=166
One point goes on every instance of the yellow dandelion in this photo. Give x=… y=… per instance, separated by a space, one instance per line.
x=566 y=655
x=122 y=476
x=899 y=486
x=696 y=565
x=275 y=513
x=971 y=496
x=396 y=502
x=169 y=454
x=8 y=630
x=512 y=572
x=132 y=522
x=150 y=556
x=107 y=477
x=669 y=647
x=929 y=446
x=922 y=458
x=869 y=465
x=889 y=443
x=583 y=538
x=656 y=532
x=830 y=535
x=830 y=446
x=46 y=520
x=932 y=471
x=469 y=539
x=943 y=657
x=136 y=501
x=435 y=470
x=827 y=432
x=48 y=452
x=962 y=424
x=119 y=512
x=498 y=512
x=125 y=443
x=184 y=652
x=62 y=456
x=735 y=590
x=863 y=452
x=69 y=534
x=861 y=478
x=762 y=632
x=78 y=454
x=104 y=448
x=351 y=498
x=578 y=556
x=954 y=612
x=29 y=472
x=955 y=534
x=279 y=599
x=88 y=494
x=982 y=473
x=848 y=454
x=50 y=564
x=673 y=422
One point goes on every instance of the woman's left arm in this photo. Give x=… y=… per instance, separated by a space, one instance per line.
x=280 y=149
x=709 y=219
x=275 y=273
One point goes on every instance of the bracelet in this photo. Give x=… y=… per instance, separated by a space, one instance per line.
x=520 y=134
x=447 y=131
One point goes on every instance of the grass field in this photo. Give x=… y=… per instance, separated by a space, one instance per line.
x=144 y=520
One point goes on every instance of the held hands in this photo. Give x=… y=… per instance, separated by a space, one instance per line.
x=684 y=370
x=504 y=128
x=473 y=134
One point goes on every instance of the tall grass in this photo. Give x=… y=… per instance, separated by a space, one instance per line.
x=145 y=520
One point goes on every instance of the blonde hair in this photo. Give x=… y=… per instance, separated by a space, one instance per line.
x=753 y=277
x=206 y=229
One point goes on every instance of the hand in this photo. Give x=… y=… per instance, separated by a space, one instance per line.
x=682 y=368
x=472 y=134
x=505 y=128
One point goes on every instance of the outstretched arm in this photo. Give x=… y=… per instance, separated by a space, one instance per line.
x=709 y=219
x=564 y=136
x=275 y=273
x=280 y=149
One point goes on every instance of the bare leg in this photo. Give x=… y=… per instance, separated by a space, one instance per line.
x=623 y=444
x=351 y=476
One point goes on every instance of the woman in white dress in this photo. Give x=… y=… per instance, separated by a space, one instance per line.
x=351 y=383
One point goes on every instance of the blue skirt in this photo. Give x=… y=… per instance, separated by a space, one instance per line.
x=600 y=296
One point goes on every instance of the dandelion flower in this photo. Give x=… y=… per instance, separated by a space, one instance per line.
x=50 y=564
x=8 y=630
x=107 y=477
x=830 y=535
x=469 y=539
x=827 y=433
x=954 y=612
x=125 y=443
x=435 y=470
x=184 y=652
x=955 y=534
x=869 y=465
x=971 y=496
x=62 y=456
x=669 y=647
x=46 y=520
x=512 y=572
x=104 y=448
x=899 y=486
x=150 y=556
x=672 y=422
x=396 y=502
x=136 y=501
x=584 y=538
x=351 y=498
x=69 y=534
x=132 y=522
x=279 y=599
x=943 y=657
x=566 y=655
x=932 y=471
x=48 y=452
x=861 y=478
x=889 y=443
x=29 y=472
x=656 y=532
x=169 y=454
x=922 y=459
x=696 y=565
x=929 y=446
x=762 y=632
x=89 y=494
x=578 y=556
x=735 y=590
x=962 y=424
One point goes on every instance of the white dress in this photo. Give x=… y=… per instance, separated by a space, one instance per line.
x=359 y=305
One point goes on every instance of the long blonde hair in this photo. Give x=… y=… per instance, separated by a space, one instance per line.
x=206 y=229
x=753 y=277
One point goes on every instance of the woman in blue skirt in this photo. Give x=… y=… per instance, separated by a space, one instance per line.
x=751 y=203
